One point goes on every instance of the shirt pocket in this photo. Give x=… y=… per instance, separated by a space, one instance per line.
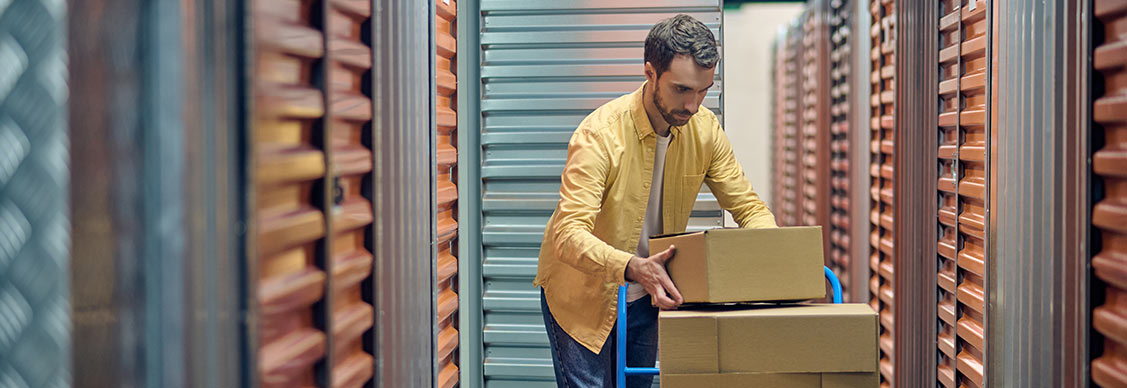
x=690 y=188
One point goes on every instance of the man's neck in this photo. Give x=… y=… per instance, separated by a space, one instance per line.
x=660 y=127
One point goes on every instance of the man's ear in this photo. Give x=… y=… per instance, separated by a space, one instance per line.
x=651 y=73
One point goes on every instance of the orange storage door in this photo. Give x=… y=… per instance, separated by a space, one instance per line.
x=447 y=193
x=312 y=151
x=351 y=109
x=289 y=153
x=840 y=141
x=881 y=170
x=962 y=191
x=1109 y=171
x=789 y=209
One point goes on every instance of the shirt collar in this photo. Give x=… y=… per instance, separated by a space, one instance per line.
x=641 y=120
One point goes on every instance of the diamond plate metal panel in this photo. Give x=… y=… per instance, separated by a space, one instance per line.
x=34 y=232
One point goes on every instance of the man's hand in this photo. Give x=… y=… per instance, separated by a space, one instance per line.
x=650 y=273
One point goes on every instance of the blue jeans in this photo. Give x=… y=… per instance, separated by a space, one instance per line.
x=578 y=367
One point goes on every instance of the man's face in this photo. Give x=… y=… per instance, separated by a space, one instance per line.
x=679 y=91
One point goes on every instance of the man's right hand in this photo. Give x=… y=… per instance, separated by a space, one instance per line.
x=650 y=273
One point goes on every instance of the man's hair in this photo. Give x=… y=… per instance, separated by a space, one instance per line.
x=680 y=35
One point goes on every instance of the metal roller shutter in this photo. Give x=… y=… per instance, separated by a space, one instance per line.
x=778 y=107
x=815 y=132
x=544 y=66
x=972 y=139
x=789 y=200
x=1109 y=175
x=351 y=167
x=840 y=213
x=808 y=123
x=882 y=127
x=290 y=163
x=446 y=156
x=950 y=65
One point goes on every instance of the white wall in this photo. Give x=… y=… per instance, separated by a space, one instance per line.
x=748 y=34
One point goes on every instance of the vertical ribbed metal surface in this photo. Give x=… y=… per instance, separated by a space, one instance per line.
x=446 y=154
x=1109 y=192
x=292 y=221
x=1038 y=267
x=881 y=170
x=916 y=204
x=468 y=107
x=861 y=85
x=213 y=190
x=404 y=193
x=840 y=144
x=350 y=64
x=35 y=309
x=130 y=205
x=156 y=203
x=544 y=66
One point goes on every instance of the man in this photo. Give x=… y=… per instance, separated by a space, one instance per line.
x=634 y=168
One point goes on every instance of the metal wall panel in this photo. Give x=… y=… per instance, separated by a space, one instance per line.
x=840 y=151
x=916 y=204
x=1109 y=193
x=350 y=64
x=35 y=328
x=1038 y=268
x=158 y=211
x=544 y=66
x=291 y=222
x=882 y=171
x=446 y=154
x=404 y=193
x=860 y=85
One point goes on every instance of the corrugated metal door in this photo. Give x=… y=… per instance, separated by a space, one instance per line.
x=778 y=106
x=815 y=128
x=544 y=66
x=882 y=127
x=351 y=110
x=311 y=147
x=290 y=164
x=962 y=192
x=789 y=200
x=950 y=65
x=446 y=157
x=1109 y=186
x=840 y=213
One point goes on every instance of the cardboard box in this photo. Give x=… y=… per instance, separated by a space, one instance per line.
x=774 y=380
x=746 y=265
x=797 y=338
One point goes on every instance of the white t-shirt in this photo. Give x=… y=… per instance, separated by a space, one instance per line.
x=652 y=224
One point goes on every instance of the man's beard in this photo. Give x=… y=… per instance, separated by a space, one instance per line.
x=668 y=114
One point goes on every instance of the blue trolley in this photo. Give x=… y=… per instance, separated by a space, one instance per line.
x=621 y=370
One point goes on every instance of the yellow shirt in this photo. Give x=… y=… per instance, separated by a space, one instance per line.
x=603 y=195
